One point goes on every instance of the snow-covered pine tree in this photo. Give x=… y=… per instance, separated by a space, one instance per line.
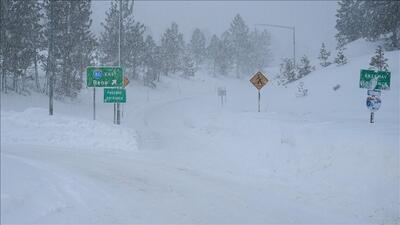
x=188 y=64
x=240 y=43
x=132 y=42
x=225 y=58
x=172 y=46
x=36 y=38
x=287 y=71
x=135 y=45
x=383 y=19
x=3 y=42
x=84 y=51
x=340 y=57
x=371 y=20
x=304 y=68
x=379 y=61
x=197 y=46
x=150 y=62
x=73 y=44
x=324 y=56
x=212 y=52
x=20 y=30
x=260 y=54
x=350 y=20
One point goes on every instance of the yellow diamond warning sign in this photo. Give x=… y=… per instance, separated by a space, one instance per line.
x=259 y=80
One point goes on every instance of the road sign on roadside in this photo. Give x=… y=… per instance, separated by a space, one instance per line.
x=126 y=81
x=113 y=95
x=379 y=80
x=221 y=91
x=374 y=92
x=259 y=80
x=104 y=76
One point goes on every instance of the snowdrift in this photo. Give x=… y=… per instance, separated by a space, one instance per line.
x=35 y=127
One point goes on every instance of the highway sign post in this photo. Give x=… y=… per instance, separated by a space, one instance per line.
x=259 y=81
x=375 y=81
x=103 y=76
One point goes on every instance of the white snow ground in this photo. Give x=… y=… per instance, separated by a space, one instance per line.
x=179 y=157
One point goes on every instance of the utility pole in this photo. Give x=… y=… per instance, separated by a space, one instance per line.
x=119 y=55
x=292 y=28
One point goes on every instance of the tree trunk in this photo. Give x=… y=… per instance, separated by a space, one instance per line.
x=36 y=73
x=396 y=38
x=15 y=81
x=4 y=80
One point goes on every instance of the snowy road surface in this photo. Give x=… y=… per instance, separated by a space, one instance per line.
x=179 y=157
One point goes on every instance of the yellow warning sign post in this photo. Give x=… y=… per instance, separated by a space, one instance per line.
x=259 y=80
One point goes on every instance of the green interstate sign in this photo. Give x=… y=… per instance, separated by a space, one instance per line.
x=379 y=80
x=104 y=76
x=114 y=95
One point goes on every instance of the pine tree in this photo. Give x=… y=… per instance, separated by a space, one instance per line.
x=225 y=55
x=197 y=46
x=132 y=43
x=73 y=45
x=379 y=61
x=287 y=71
x=150 y=61
x=383 y=19
x=212 y=52
x=172 y=46
x=260 y=54
x=372 y=20
x=240 y=44
x=21 y=33
x=350 y=20
x=4 y=40
x=188 y=67
x=304 y=68
x=340 y=57
x=324 y=55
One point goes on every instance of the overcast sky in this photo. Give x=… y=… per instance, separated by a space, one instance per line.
x=314 y=20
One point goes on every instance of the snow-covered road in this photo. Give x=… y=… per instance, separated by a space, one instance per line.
x=179 y=157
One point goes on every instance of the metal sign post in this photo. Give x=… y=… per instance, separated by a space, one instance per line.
x=373 y=104
x=94 y=103
x=259 y=99
x=375 y=81
x=103 y=76
x=259 y=81
x=222 y=93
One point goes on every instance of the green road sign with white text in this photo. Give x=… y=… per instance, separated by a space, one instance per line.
x=113 y=95
x=379 y=79
x=104 y=76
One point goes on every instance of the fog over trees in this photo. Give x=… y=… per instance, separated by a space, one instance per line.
x=60 y=44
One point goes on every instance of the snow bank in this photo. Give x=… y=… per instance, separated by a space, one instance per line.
x=34 y=127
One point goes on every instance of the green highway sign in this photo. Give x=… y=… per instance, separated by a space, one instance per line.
x=104 y=76
x=379 y=80
x=113 y=95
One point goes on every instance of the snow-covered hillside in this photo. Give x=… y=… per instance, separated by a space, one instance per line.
x=181 y=157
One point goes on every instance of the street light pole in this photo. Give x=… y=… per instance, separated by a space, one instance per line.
x=119 y=55
x=292 y=28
